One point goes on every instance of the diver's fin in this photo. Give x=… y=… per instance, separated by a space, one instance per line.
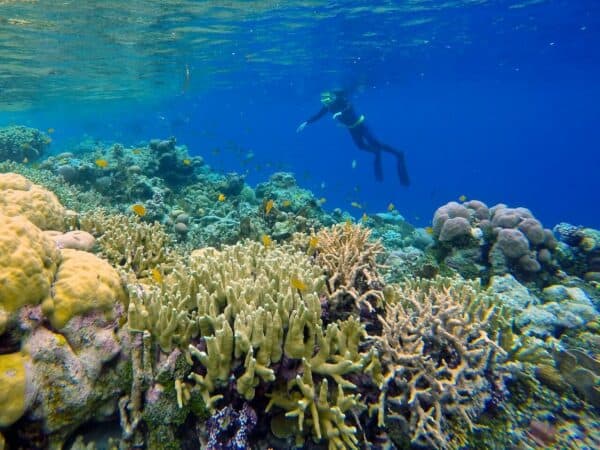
x=378 y=167
x=402 y=172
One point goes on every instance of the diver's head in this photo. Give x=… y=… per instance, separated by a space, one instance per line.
x=328 y=97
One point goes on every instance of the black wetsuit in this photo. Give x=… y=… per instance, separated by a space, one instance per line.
x=343 y=112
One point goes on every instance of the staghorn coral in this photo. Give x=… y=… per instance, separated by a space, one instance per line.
x=128 y=243
x=348 y=257
x=19 y=196
x=440 y=362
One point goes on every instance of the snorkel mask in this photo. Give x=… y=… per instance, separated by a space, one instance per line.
x=327 y=98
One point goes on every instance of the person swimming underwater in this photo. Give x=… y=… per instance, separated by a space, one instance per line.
x=336 y=102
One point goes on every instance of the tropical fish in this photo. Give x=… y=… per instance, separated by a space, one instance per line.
x=298 y=284
x=356 y=205
x=428 y=230
x=102 y=163
x=269 y=206
x=391 y=207
x=157 y=276
x=50 y=130
x=187 y=162
x=25 y=160
x=266 y=240
x=354 y=164
x=221 y=197
x=47 y=140
x=364 y=217
x=321 y=201
x=139 y=209
x=462 y=198
x=313 y=241
x=136 y=151
x=286 y=203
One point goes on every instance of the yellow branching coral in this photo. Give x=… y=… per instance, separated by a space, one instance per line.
x=128 y=243
x=436 y=350
x=245 y=304
x=349 y=259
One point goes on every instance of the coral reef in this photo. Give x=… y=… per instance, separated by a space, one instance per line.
x=19 y=143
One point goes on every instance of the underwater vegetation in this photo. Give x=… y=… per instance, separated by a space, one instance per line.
x=182 y=308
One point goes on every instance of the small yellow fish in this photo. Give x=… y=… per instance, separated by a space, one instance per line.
x=364 y=217
x=462 y=198
x=47 y=140
x=136 y=151
x=286 y=203
x=321 y=201
x=429 y=230
x=313 y=241
x=102 y=163
x=391 y=207
x=157 y=276
x=26 y=146
x=187 y=162
x=269 y=206
x=221 y=197
x=50 y=130
x=356 y=205
x=298 y=284
x=25 y=160
x=140 y=210
x=266 y=240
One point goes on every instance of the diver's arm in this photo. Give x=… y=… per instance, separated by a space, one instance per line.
x=313 y=119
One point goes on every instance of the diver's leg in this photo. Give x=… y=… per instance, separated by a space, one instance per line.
x=360 y=136
x=400 y=163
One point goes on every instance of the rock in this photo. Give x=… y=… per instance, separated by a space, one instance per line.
x=511 y=293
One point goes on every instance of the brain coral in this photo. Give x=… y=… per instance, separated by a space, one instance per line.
x=19 y=196
x=28 y=260
x=83 y=283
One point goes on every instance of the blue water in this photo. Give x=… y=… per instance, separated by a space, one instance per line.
x=494 y=100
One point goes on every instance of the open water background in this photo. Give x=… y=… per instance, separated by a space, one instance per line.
x=494 y=100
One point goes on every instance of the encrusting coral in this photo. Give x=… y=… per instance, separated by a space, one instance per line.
x=438 y=358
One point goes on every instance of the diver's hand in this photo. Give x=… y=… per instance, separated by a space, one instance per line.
x=301 y=127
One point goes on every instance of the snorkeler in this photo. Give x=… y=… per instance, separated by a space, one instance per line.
x=338 y=104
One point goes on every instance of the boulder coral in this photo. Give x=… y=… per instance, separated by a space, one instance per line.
x=83 y=283
x=21 y=197
x=479 y=241
x=28 y=262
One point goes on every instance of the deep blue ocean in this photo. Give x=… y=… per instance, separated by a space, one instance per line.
x=494 y=100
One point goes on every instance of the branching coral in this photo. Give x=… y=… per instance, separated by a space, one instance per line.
x=438 y=357
x=349 y=259
x=128 y=243
x=258 y=313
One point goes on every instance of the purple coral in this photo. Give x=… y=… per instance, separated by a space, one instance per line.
x=454 y=228
x=512 y=242
x=229 y=429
